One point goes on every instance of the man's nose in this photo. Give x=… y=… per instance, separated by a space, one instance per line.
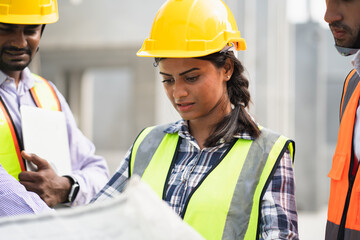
x=332 y=13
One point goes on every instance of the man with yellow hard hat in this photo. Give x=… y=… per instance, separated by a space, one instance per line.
x=21 y=27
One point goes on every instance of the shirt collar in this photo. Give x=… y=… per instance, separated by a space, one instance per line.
x=182 y=128
x=356 y=62
x=26 y=78
x=3 y=77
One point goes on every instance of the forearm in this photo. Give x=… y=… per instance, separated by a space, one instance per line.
x=117 y=182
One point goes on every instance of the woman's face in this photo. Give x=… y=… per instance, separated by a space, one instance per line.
x=196 y=88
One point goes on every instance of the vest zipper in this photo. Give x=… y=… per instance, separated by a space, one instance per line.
x=348 y=195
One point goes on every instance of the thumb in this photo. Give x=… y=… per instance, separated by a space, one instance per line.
x=38 y=161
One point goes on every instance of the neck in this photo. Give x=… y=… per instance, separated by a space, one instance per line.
x=15 y=75
x=202 y=128
x=17 y=79
x=200 y=131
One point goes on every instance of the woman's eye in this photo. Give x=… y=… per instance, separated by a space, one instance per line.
x=167 y=81
x=192 y=79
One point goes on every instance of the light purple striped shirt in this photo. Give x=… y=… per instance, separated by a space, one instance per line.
x=15 y=199
x=88 y=169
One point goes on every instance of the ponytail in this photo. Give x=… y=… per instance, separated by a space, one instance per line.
x=238 y=120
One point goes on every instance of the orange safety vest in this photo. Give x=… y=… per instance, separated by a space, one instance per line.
x=10 y=145
x=344 y=203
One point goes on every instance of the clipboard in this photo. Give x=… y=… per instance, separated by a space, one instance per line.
x=45 y=134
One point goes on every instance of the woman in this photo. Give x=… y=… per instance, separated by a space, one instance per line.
x=222 y=173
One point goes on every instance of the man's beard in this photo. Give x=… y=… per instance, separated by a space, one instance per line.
x=357 y=41
x=354 y=42
x=14 y=65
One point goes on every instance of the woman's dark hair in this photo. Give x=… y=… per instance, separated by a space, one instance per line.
x=239 y=119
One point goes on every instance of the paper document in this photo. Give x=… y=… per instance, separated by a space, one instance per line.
x=45 y=134
x=138 y=213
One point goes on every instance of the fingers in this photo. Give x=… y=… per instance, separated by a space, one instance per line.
x=32 y=187
x=38 y=161
x=28 y=176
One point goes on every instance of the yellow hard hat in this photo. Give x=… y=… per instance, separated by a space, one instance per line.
x=28 y=11
x=191 y=28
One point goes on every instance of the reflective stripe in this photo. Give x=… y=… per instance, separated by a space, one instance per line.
x=144 y=160
x=233 y=215
x=44 y=94
x=351 y=234
x=149 y=150
x=349 y=86
x=161 y=165
x=272 y=160
x=10 y=158
x=332 y=230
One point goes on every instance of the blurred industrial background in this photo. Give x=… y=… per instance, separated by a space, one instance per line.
x=295 y=73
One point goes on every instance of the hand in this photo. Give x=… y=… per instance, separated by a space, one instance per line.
x=53 y=189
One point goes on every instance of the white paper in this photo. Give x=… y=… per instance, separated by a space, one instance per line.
x=45 y=134
x=136 y=214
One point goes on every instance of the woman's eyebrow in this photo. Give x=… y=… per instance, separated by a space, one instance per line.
x=166 y=74
x=180 y=74
x=189 y=71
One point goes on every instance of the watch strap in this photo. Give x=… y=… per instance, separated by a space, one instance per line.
x=75 y=187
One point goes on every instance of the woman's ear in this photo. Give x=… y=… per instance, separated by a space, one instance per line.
x=228 y=68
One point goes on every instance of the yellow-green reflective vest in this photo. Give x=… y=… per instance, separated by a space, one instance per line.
x=226 y=204
x=10 y=158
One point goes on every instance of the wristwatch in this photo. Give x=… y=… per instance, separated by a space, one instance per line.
x=74 y=188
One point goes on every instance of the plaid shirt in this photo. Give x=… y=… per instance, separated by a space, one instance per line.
x=278 y=208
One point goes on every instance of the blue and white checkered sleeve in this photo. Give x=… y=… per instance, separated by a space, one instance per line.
x=117 y=182
x=278 y=206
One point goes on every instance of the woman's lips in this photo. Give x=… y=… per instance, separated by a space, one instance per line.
x=184 y=107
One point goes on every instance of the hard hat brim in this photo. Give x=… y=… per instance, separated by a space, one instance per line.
x=30 y=19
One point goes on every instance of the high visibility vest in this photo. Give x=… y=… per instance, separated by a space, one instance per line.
x=226 y=203
x=343 y=220
x=10 y=145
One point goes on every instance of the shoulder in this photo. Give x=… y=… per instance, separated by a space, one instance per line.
x=271 y=141
x=268 y=135
x=156 y=131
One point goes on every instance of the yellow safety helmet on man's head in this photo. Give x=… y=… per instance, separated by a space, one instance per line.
x=191 y=28
x=28 y=11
